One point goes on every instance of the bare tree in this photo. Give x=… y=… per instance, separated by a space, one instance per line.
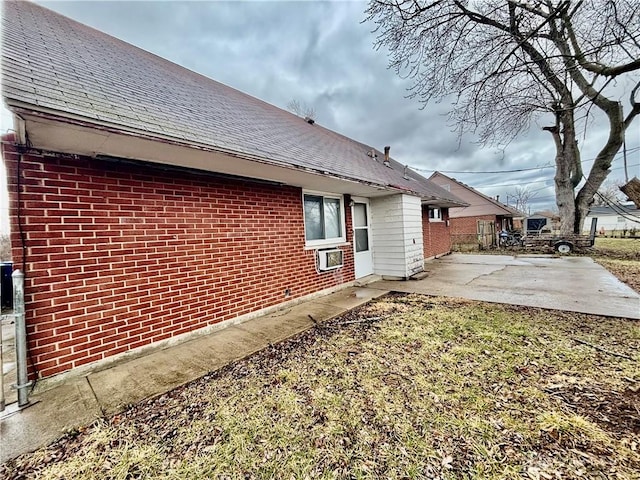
x=509 y=63
x=522 y=197
x=301 y=109
x=608 y=193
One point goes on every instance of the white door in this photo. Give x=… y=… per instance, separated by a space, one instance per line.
x=363 y=257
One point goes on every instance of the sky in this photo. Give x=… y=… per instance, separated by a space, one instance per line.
x=321 y=54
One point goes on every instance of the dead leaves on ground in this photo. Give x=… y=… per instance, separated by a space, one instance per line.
x=433 y=388
x=627 y=271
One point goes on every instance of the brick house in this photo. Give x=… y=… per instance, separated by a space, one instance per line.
x=467 y=222
x=149 y=203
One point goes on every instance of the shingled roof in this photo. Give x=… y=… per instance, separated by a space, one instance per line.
x=615 y=208
x=475 y=208
x=54 y=64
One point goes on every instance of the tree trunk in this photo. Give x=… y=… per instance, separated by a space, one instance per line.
x=602 y=162
x=568 y=166
x=581 y=210
x=564 y=195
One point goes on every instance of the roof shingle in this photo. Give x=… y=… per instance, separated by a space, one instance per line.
x=52 y=62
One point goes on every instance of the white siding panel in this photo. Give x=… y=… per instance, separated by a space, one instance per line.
x=413 y=235
x=396 y=232
x=386 y=233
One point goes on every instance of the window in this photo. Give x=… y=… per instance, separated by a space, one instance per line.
x=360 y=227
x=323 y=219
x=435 y=215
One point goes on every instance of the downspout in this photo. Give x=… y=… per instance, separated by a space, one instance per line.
x=22 y=384
x=22 y=145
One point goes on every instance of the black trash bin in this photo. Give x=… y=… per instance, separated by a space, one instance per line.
x=6 y=285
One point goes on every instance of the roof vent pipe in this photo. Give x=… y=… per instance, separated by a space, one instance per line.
x=386 y=156
x=406 y=175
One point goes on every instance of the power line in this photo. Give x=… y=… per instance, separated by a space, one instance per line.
x=488 y=171
x=517 y=170
x=617 y=207
x=496 y=185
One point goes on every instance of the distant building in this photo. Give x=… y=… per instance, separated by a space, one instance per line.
x=614 y=219
x=479 y=222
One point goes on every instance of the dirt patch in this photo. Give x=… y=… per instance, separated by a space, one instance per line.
x=616 y=411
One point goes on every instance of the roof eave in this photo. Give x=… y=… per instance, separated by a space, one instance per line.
x=442 y=202
x=23 y=110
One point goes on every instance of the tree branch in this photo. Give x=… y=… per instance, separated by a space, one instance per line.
x=604 y=350
x=529 y=8
x=635 y=106
x=593 y=67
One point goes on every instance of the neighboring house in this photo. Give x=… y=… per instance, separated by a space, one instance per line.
x=148 y=202
x=613 y=220
x=482 y=215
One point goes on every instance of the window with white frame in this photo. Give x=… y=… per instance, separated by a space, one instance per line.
x=323 y=218
x=435 y=215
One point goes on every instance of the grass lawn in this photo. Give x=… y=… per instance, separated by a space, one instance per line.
x=621 y=257
x=426 y=388
x=618 y=247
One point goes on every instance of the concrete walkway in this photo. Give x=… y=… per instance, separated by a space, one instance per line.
x=80 y=400
x=575 y=284
x=569 y=283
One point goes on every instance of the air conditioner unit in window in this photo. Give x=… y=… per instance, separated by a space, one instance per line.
x=329 y=259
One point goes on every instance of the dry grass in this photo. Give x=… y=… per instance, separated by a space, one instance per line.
x=438 y=388
x=621 y=257
x=627 y=271
x=617 y=247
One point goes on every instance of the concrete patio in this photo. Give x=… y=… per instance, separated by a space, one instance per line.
x=575 y=284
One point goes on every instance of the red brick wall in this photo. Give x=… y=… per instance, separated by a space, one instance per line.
x=120 y=256
x=464 y=230
x=436 y=235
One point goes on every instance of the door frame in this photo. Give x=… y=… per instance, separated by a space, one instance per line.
x=365 y=201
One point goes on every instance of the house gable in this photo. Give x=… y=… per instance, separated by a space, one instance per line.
x=480 y=205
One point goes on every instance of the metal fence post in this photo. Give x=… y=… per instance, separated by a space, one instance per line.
x=23 y=383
